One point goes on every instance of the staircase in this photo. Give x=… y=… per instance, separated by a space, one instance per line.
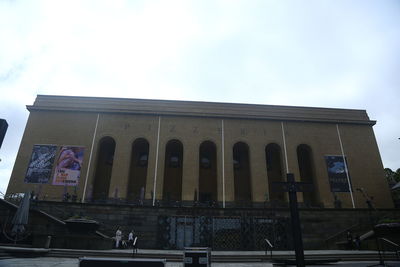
x=217 y=256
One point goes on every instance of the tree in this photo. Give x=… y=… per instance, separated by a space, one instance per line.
x=390 y=176
x=393 y=178
x=397 y=175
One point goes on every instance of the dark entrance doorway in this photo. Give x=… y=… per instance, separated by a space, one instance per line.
x=241 y=170
x=224 y=232
x=105 y=160
x=138 y=170
x=274 y=170
x=207 y=172
x=306 y=169
x=172 y=189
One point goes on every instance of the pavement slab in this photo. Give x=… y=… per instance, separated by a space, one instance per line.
x=74 y=262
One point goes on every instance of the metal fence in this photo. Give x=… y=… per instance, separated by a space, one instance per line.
x=223 y=232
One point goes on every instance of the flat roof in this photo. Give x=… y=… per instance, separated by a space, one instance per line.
x=198 y=109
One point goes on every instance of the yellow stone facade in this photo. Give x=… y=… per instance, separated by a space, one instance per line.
x=84 y=121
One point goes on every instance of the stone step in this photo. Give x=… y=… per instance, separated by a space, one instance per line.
x=231 y=257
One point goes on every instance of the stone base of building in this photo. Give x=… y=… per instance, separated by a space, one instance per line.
x=221 y=228
x=48 y=231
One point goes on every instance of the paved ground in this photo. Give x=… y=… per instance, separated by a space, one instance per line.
x=74 y=262
x=67 y=262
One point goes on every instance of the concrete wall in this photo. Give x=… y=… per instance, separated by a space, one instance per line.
x=317 y=224
x=65 y=126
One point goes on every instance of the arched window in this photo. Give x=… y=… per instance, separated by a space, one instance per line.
x=241 y=171
x=306 y=169
x=274 y=170
x=172 y=189
x=105 y=160
x=138 y=170
x=207 y=172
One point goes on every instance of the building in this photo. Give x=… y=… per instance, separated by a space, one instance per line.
x=160 y=152
x=3 y=130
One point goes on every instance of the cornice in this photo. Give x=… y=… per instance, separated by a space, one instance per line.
x=198 y=109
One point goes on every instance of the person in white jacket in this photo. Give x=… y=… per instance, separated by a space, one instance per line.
x=131 y=236
x=118 y=237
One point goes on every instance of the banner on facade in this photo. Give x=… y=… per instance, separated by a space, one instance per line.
x=40 y=164
x=68 y=168
x=337 y=174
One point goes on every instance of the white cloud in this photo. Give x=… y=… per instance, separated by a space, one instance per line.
x=313 y=53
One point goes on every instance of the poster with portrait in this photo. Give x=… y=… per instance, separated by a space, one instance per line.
x=69 y=164
x=40 y=164
x=337 y=174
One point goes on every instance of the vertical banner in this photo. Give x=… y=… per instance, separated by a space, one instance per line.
x=337 y=174
x=69 y=163
x=41 y=164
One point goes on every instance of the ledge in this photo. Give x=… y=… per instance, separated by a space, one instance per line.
x=199 y=109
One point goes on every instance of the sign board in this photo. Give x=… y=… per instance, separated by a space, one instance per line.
x=337 y=174
x=69 y=164
x=40 y=164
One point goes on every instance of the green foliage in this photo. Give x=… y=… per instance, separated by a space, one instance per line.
x=389 y=220
x=391 y=176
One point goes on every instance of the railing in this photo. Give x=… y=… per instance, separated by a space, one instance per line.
x=14 y=198
x=392 y=244
x=73 y=198
x=270 y=246
x=341 y=234
x=364 y=225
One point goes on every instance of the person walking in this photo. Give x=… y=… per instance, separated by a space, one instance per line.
x=131 y=237
x=349 y=240
x=357 y=242
x=118 y=237
x=132 y=241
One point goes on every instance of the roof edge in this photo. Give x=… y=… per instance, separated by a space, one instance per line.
x=198 y=109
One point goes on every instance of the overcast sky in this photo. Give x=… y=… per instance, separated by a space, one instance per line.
x=339 y=54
